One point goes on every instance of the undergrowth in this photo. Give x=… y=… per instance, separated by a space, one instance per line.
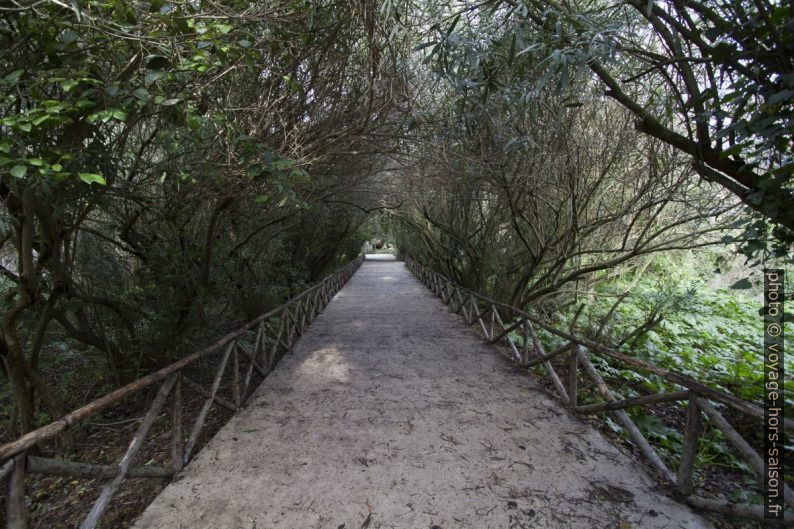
x=708 y=332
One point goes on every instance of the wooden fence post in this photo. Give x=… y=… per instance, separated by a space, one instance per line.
x=236 y=377
x=176 y=425
x=16 y=510
x=692 y=431
x=573 y=372
x=493 y=321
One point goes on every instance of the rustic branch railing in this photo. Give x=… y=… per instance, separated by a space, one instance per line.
x=273 y=334
x=528 y=351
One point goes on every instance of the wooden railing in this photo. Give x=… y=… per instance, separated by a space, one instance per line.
x=252 y=349
x=528 y=351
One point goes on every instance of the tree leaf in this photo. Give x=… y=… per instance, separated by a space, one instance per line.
x=90 y=178
x=778 y=97
x=18 y=171
x=425 y=45
x=13 y=77
x=117 y=113
x=153 y=76
x=68 y=84
x=76 y=9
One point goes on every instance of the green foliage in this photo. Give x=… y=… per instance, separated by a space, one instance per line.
x=710 y=333
x=170 y=169
x=716 y=337
x=707 y=78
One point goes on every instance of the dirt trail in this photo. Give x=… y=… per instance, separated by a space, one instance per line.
x=390 y=413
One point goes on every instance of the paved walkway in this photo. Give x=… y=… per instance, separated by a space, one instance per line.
x=390 y=413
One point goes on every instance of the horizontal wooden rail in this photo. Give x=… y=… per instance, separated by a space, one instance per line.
x=57 y=467
x=527 y=351
x=633 y=401
x=271 y=335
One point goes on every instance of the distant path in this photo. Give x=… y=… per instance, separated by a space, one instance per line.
x=390 y=413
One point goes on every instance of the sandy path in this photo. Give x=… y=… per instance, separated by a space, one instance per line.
x=390 y=413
